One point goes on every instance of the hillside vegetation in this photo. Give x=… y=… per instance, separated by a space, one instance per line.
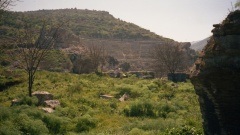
x=84 y=23
x=154 y=107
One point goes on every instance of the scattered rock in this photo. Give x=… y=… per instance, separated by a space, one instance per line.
x=52 y=103
x=47 y=110
x=124 y=97
x=42 y=96
x=106 y=96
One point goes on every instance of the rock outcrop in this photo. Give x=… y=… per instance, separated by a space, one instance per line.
x=42 y=96
x=216 y=78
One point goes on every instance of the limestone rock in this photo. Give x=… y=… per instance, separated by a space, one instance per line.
x=216 y=79
x=106 y=96
x=52 y=103
x=42 y=96
x=47 y=110
x=124 y=97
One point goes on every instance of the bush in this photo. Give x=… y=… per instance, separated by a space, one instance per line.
x=136 y=131
x=184 y=130
x=138 y=109
x=31 y=126
x=4 y=113
x=53 y=124
x=76 y=88
x=8 y=128
x=85 y=124
x=31 y=101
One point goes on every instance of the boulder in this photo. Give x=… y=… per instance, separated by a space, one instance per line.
x=124 y=97
x=52 y=103
x=106 y=96
x=42 y=96
x=47 y=110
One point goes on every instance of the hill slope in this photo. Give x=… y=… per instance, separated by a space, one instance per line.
x=199 y=45
x=84 y=23
x=124 y=41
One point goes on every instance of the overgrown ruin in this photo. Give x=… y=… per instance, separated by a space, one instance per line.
x=216 y=78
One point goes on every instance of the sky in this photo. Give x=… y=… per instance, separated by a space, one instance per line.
x=181 y=20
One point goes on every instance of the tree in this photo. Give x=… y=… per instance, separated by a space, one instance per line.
x=112 y=61
x=169 y=58
x=32 y=46
x=5 y=4
x=97 y=55
x=237 y=5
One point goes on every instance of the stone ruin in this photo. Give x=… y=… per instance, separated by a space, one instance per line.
x=216 y=78
x=46 y=99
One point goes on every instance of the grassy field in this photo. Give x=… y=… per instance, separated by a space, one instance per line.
x=155 y=107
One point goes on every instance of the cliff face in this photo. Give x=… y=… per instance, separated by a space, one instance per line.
x=216 y=78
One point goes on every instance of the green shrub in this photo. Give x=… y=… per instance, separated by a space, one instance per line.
x=136 y=131
x=140 y=108
x=8 y=128
x=53 y=123
x=31 y=101
x=76 y=88
x=5 y=113
x=85 y=124
x=30 y=126
x=184 y=130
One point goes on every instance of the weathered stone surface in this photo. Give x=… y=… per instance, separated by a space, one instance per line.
x=52 y=103
x=42 y=96
x=47 y=110
x=124 y=97
x=106 y=96
x=216 y=79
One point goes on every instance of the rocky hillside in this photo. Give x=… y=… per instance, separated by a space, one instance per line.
x=84 y=23
x=216 y=78
x=124 y=41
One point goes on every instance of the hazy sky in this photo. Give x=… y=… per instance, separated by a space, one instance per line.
x=181 y=20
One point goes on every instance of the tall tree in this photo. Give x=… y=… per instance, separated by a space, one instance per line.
x=169 y=58
x=32 y=46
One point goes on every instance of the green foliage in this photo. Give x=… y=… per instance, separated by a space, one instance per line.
x=26 y=100
x=136 y=131
x=184 y=130
x=10 y=78
x=86 y=23
x=148 y=110
x=30 y=126
x=85 y=124
x=54 y=124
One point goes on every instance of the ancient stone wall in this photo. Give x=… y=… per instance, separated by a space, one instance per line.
x=216 y=78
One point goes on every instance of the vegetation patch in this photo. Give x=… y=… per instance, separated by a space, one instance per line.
x=154 y=106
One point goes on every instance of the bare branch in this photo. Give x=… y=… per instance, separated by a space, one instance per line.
x=169 y=57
